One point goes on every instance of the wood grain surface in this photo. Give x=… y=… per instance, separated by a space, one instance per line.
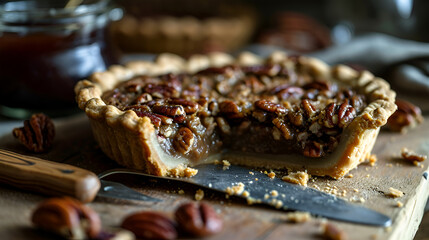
x=75 y=145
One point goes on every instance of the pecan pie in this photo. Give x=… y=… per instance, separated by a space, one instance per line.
x=287 y=112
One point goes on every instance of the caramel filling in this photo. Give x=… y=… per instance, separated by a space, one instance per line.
x=263 y=109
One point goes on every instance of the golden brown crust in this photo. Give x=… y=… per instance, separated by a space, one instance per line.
x=131 y=140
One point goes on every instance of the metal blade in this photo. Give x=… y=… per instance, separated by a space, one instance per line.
x=292 y=196
x=116 y=190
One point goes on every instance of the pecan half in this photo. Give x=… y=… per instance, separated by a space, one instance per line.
x=284 y=128
x=217 y=70
x=198 y=220
x=67 y=217
x=313 y=149
x=269 y=106
x=286 y=91
x=338 y=115
x=168 y=110
x=412 y=156
x=161 y=91
x=150 y=225
x=184 y=140
x=37 y=134
x=190 y=107
x=254 y=84
x=230 y=109
x=145 y=97
x=346 y=113
x=270 y=70
x=223 y=125
x=406 y=116
x=319 y=85
x=309 y=109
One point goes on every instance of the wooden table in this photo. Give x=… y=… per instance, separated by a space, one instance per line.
x=75 y=145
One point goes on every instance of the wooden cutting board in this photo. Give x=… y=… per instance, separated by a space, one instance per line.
x=75 y=145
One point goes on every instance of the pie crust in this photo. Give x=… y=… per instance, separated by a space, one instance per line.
x=132 y=141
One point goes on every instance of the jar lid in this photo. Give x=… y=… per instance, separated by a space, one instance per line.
x=41 y=14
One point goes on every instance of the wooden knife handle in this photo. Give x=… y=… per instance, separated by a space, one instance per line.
x=51 y=178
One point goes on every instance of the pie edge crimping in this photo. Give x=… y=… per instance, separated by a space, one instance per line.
x=131 y=140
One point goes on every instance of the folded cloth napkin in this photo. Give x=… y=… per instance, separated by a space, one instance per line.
x=404 y=63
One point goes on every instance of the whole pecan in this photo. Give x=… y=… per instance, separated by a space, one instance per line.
x=184 y=140
x=269 y=106
x=198 y=220
x=37 y=134
x=150 y=225
x=67 y=217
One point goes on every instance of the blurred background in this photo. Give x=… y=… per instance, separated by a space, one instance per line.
x=303 y=26
x=46 y=46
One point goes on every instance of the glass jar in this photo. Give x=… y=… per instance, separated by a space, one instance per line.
x=46 y=46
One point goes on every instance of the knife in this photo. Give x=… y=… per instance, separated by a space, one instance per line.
x=288 y=197
x=59 y=179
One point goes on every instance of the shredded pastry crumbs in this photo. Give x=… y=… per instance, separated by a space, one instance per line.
x=298 y=217
x=399 y=204
x=182 y=171
x=226 y=163
x=372 y=159
x=190 y=172
x=331 y=232
x=251 y=201
x=271 y=175
x=300 y=178
x=276 y=203
x=235 y=190
x=357 y=199
x=274 y=193
x=199 y=195
x=412 y=156
x=394 y=193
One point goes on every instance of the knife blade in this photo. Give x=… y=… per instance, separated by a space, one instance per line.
x=292 y=196
x=288 y=197
x=59 y=179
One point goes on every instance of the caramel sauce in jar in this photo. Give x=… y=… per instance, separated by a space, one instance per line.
x=46 y=47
